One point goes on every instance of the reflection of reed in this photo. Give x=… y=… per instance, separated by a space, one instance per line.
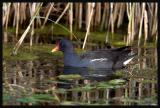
x=126 y=94
x=153 y=89
x=106 y=95
x=139 y=54
x=30 y=67
x=14 y=75
x=136 y=89
x=75 y=94
x=144 y=59
x=19 y=74
x=118 y=94
x=28 y=74
x=32 y=74
x=139 y=90
x=5 y=37
x=88 y=97
x=96 y=95
x=85 y=94
x=155 y=57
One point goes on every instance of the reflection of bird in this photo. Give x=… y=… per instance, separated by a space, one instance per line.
x=98 y=74
x=103 y=58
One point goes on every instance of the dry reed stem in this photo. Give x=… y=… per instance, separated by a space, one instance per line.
x=80 y=15
x=145 y=26
x=121 y=15
x=63 y=13
x=17 y=19
x=106 y=25
x=131 y=24
x=71 y=20
x=112 y=16
x=141 y=23
x=7 y=14
x=49 y=11
x=15 y=49
x=90 y=17
x=103 y=17
x=155 y=19
x=99 y=19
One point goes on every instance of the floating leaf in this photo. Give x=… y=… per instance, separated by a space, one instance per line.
x=149 y=81
x=45 y=97
x=102 y=85
x=35 y=98
x=70 y=77
x=85 y=88
x=117 y=81
x=111 y=84
x=27 y=100
x=88 y=87
x=68 y=103
x=60 y=90
x=6 y=97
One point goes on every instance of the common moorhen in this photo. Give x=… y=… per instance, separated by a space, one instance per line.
x=104 y=58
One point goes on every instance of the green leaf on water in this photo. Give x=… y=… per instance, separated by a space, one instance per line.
x=6 y=97
x=111 y=84
x=27 y=100
x=70 y=77
x=117 y=81
x=102 y=85
x=35 y=98
x=87 y=87
x=67 y=103
x=143 y=101
x=60 y=90
x=45 y=97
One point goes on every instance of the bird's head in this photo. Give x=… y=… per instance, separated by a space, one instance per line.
x=63 y=45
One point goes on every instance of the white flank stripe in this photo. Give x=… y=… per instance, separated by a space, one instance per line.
x=101 y=59
x=96 y=75
x=127 y=61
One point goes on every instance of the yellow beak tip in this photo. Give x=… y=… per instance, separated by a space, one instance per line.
x=53 y=51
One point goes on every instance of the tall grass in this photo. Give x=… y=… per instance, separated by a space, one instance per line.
x=141 y=18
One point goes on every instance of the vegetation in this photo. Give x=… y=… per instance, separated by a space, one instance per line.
x=141 y=19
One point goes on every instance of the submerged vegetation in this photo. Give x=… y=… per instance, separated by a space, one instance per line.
x=138 y=81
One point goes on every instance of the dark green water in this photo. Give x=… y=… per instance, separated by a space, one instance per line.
x=42 y=80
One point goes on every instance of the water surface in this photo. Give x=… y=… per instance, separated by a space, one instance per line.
x=46 y=81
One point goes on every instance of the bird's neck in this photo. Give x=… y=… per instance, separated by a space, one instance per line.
x=71 y=58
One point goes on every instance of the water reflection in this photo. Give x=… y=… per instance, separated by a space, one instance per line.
x=40 y=76
x=100 y=74
x=88 y=75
